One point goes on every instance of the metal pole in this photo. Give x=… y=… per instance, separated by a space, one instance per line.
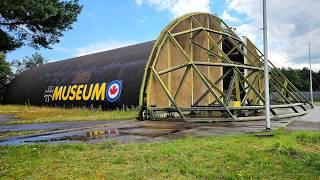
x=266 y=67
x=311 y=93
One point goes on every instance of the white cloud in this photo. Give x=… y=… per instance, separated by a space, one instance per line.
x=138 y=2
x=282 y=58
x=186 y=6
x=291 y=25
x=101 y=46
x=250 y=31
x=250 y=8
x=179 y=7
x=227 y=17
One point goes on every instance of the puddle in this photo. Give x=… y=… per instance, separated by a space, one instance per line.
x=89 y=136
x=134 y=132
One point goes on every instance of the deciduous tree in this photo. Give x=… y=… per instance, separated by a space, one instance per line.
x=5 y=75
x=36 y=59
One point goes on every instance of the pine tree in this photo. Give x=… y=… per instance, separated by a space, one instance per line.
x=38 y=23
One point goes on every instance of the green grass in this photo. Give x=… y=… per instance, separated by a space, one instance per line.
x=34 y=114
x=287 y=155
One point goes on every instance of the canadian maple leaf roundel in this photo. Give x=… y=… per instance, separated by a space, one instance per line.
x=113 y=90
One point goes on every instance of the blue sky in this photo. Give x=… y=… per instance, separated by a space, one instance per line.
x=104 y=25
x=113 y=21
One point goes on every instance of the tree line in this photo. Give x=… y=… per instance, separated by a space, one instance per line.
x=301 y=78
x=9 y=70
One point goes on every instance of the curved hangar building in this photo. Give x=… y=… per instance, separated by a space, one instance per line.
x=197 y=69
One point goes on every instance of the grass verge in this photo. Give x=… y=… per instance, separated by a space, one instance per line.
x=34 y=114
x=286 y=155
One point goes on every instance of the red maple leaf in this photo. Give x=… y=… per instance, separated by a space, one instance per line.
x=113 y=90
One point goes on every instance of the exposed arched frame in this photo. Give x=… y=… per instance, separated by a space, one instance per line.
x=199 y=64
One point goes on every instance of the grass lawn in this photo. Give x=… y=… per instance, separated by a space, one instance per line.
x=34 y=114
x=287 y=155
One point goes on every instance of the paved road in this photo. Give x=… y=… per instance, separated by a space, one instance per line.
x=51 y=126
x=310 y=121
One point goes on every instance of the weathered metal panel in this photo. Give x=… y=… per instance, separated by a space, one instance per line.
x=36 y=86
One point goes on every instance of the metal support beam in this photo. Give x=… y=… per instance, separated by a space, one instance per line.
x=266 y=66
x=242 y=86
x=207 y=84
x=310 y=70
x=182 y=81
x=168 y=94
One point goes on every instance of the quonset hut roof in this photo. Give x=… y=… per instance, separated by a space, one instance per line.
x=126 y=63
x=197 y=69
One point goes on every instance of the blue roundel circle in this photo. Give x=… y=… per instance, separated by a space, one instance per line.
x=114 y=90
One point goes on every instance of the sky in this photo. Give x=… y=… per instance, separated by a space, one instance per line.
x=104 y=25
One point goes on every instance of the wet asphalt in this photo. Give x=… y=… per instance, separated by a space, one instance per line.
x=144 y=131
x=51 y=126
x=310 y=121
